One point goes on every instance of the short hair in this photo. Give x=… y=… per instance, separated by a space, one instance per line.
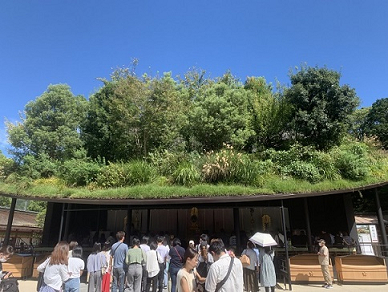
x=72 y=244
x=135 y=241
x=7 y=250
x=190 y=253
x=204 y=237
x=176 y=242
x=250 y=244
x=217 y=246
x=145 y=239
x=77 y=252
x=153 y=245
x=322 y=241
x=120 y=235
x=159 y=238
x=96 y=247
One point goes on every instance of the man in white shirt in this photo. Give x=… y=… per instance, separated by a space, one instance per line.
x=219 y=270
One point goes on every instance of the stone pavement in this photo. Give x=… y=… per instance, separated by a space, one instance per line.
x=30 y=286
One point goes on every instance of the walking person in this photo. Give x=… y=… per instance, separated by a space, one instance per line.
x=267 y=269
x=135 y=258
x=76 y=267
x=95 y=263
x=226 y=273
x=118 y=253
x=324 y=261
x=249 y=272
x=55 y=268
x=176 y=261
x=152 y=267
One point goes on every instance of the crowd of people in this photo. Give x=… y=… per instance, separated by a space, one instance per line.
x=156 y=264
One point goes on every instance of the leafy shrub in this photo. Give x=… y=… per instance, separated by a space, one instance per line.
x=229 y=166
x=351 y=160
x=303 y=170
x=165 y=161
x=112 y=175
x=125 y=174
x=79 y=172
x=325 y=163
x=186 y=174
x=139 y=172
x=7 y=166
x=38 y=167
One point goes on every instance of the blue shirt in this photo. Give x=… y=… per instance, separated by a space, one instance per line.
x=119 y=252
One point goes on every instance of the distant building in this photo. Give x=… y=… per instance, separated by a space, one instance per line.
x=25 y=230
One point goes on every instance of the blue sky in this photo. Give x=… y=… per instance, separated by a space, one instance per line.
x=75 y=42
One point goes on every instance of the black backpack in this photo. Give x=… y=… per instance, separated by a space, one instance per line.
x=9 y=285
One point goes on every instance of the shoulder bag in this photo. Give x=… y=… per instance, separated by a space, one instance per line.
x=220 y=284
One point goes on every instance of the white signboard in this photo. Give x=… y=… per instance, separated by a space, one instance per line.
x=373 y=233
x=365 y=239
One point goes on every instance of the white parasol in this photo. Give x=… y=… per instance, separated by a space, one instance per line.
x=263 y=239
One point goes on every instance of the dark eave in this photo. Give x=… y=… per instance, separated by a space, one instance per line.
x=197 y=200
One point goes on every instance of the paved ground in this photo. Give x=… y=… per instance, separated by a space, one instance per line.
x=30 y=286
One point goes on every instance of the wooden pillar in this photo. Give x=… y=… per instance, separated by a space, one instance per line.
x=148 y=220
x=308 y=227
x=287 y=263
x=10 y=220
x=236 y=217
x=128 y=226
x=379 y=212
x=349 y=212
x=67 y=222
x=61 y=224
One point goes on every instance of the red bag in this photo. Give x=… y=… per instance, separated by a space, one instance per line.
x=105 y=287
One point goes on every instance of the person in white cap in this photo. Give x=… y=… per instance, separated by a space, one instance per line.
x=191 y=244
x=323 y=257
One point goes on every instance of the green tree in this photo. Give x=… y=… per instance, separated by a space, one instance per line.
x=321 y=106
x=270 y=114
x=357 y=122
x=376 y=123
x=51 y=125
x=220 y=115
x=130 y=117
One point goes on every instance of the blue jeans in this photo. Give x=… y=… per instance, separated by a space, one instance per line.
x=118 y=279
x=72 y=285
x=173 y=273
x=166 y=274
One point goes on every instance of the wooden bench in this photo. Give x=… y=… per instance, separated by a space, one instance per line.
x=361 y=269
x=305 y=268
x=19 y=265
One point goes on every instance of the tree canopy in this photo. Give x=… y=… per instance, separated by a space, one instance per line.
x=50 y=126
x=376 y=123
x=321 y=106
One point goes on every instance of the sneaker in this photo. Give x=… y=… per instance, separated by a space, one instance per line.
x=324 y=285
x=329 y=287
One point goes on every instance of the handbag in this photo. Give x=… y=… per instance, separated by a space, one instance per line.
x=9 y=285
x=245 y=261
